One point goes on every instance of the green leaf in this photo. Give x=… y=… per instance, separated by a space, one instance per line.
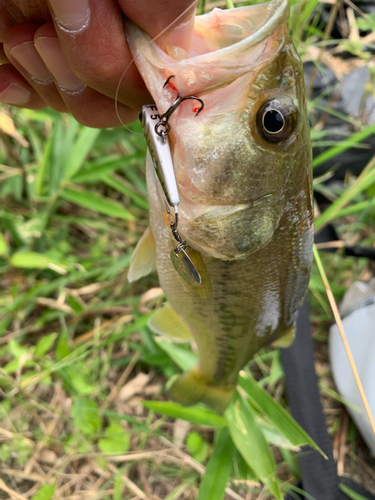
x=85 y=415
x=94 y=172
x=34 y=260
x=116 y=182
x=41 y=115
x=264 y=402
x=78 y=381
x=81 y=149
x=344 y=145
x=77 y=443
x=5 y=452
x=30 y=229
x=251 y=443
x=16 y=349
x=4 y=323
x=241 y=469
x=44 y=344
x=351 y=493
x=75 y=304
x=45 y=492
x=197 y=415
x=116 y=439
x=3 y=245
x=62 y=141
x=197 y=446
x=272 y=433
x=183 y=358
x=133 y=327
x=218 y=468
x=43 y=165
x=177 y=492
x=367 y=22
x=118 y=483
x=119 y=263
x=96 y=202
x=62 y=348
x=365 y=180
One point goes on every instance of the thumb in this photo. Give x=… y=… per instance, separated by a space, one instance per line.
x=170 y=22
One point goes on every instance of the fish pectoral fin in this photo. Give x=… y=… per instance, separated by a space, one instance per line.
x=166 y=322
x=143 y=260
x=194 y=387
x=287 y=339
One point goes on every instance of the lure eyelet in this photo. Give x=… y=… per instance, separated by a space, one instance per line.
x=276 y=121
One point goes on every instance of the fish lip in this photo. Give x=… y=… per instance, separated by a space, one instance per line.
x=280 y=12
x=233 y=61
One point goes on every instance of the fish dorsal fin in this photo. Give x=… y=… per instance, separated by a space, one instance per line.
x=143 y=260
x=168 y=323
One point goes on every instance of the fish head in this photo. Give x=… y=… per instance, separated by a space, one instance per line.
x=240 y=162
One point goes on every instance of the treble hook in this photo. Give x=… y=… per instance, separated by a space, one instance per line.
x=164 y=118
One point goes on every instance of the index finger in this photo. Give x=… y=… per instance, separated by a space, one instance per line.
x=93 y=40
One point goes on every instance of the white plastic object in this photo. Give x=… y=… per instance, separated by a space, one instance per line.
x=359 y=327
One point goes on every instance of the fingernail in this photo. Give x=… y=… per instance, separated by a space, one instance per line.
x=27 y=56
x=51 y=52
x=15 y=94
x=71 y=15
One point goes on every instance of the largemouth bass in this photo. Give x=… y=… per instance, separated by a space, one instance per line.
x=243 y=172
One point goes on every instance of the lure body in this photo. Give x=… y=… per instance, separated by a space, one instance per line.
x=243 y=171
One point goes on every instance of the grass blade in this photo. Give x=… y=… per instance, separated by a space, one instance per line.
x=365 y=180
x=34 y=260
x=115 y=183
x=59 y=150
x=351 y=493
x=197 y=415
x=96 y=202
x=43 y=167
x=183 y=358
x=3 y=246
x=94 y=173
x=260 y=398
x=344 y=145
x=80 y=150
x=251 y=443
x=218 y=468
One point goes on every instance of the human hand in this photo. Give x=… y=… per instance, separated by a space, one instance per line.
x=71 y=54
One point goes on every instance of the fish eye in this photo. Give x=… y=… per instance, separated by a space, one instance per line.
x=276 y=121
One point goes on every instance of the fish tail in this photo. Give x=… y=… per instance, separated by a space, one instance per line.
x=194 y=387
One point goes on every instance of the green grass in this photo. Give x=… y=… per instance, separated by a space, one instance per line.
x=83 y=406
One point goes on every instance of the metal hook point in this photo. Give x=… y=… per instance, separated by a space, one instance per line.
x=195 y=99
x=167 y=80
x=179 y=100
x=164 y=118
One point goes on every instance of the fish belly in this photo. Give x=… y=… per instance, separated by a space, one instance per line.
x=240 y=306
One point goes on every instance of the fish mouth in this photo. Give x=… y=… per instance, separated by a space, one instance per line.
x=231 y=232
x=231 y=27
x=226 y=44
